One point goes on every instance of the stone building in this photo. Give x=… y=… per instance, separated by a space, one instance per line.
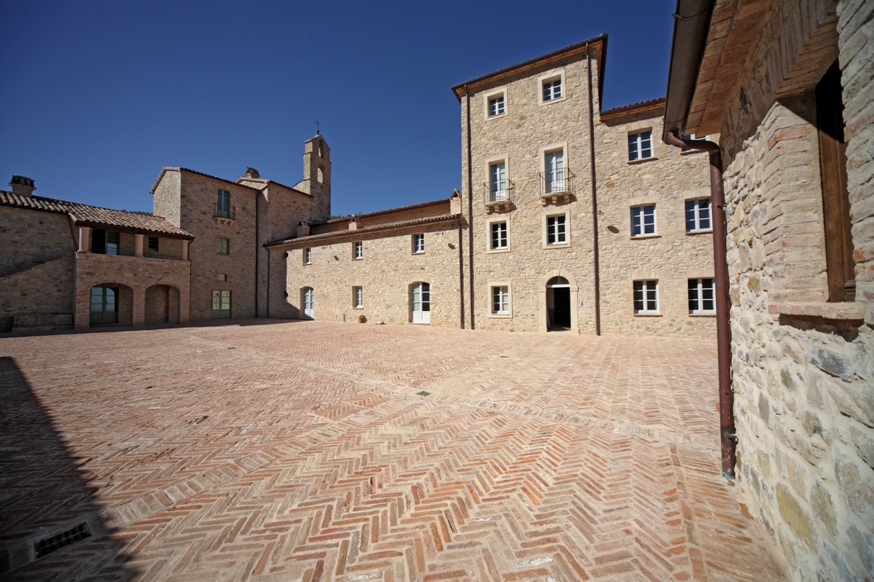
x=533 y=178
x=788 y=86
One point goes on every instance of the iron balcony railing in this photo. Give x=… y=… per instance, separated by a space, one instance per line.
x=558 y=182
x=499 y=192
x=228 y=213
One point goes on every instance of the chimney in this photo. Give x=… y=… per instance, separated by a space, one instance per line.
x=22 y=185
x=252 y=173
x=303 y=229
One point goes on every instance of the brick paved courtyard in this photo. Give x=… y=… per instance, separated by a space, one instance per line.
x=304 y=451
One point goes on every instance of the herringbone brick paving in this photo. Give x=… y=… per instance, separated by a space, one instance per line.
x=302 y=451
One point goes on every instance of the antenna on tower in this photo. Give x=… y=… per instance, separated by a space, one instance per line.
x=317 y=128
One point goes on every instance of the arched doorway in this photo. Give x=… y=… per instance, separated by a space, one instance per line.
x=420 y=302
x=307 y=302
x=111 y=303
x=558 y=304
x=162 y=304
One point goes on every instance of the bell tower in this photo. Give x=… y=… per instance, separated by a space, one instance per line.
x=317 y=177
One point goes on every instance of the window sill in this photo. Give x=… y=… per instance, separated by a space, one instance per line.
x=693 y=232
x=654 y=314
x=500 y=316
x=710 y=314
x=557 y=246
x=498 y=116
x=361 y=259
x=642 y=161
x=507 y=250
x=642 y=236
x=358 y=308
x=822 y=310
x=551 y=101
x=418 y=253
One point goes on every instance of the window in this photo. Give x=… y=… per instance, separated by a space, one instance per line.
x=307 y=296
x=222 y=277
x=358 y=297
x=308 y=256
x=689 y=136
x=221 y=304
x=499 y=235
x=418 y=243
x=224 y=246
x=104 y=242
x=698 y=215
x=501 y=300
x=646 y=297
x=639 y=146
x=358 y=250
x=701 y=296
x=496 y=105
x=554 y=175
x=643 y=220
x=551 y=89
x=223 y=204
x=555 y=230
x=153 y=243
x=104 y=305
x=498 y=182
x=420 y=302
x=320 y=175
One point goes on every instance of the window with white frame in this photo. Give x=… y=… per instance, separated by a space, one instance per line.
x=639 y=145
x=501 y=300
x=418 y=243
x=643 y=220
x=554 y=175
x=496 y=105
x=498 y=182
x=701 y=296
x=358 y=297
x=307 y=256
x=698 y=215
x=552 y=89
x=556 y=229
x=646 y=297
x=357 y=250
x=498 y=235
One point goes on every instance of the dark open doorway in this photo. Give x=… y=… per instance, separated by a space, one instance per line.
x=558 y=300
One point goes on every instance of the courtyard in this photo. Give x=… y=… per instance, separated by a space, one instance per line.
x=322 y=451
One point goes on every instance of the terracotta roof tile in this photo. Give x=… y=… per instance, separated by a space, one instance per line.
x=88 y=215
x=632 y=107
x=387 y=211
x=355 y=232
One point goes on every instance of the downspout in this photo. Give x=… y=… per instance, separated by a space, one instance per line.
x=461 y=271
x=594 y=198
x=728 y=437
x=469 y=206
x=257 y=257
x=268 y=282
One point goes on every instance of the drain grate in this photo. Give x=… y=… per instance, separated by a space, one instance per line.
x=423 y=393
x=65 y=538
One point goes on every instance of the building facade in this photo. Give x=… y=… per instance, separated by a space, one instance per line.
x=788 y=87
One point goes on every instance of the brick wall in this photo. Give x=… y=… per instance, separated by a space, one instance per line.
x=44 y=289
x=30 y=237
x=803 y=371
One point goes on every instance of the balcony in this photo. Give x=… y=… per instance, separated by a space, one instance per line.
x=224 y=215
x=499 y=196
x=556 y=187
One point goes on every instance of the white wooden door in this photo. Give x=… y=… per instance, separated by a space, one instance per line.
x=421 y=303
x=555 y=172
x=308 y=303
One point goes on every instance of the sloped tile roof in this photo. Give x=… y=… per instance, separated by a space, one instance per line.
x=358 y=231
x=656 y=103
x=85 y=214
x=387 y=211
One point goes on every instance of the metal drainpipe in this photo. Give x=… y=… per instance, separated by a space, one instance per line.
x=728 y=437
x=268 y=282
x=469 y=207
x=257 y=257
x=594 y=198
x=461 y=271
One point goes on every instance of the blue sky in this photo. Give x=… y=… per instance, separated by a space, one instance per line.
x=99 y=95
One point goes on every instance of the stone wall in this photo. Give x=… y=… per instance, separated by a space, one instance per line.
x=30 y=237
x=43 y=289
x=803 y=370
x=672 y=257
x=385 y=273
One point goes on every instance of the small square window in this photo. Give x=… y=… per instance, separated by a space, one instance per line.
x=307 y=256
x=358 y=297
x=639 y=146
x=496 y=105
x=224 y=246
x=701 y=296
x=643 y=220
x=646 y=297
x=501 y=300
x=698 y=215
x=552 y=89
x=222 y=277
x=358 y=250
x=555 y=230
x=498 y=235
x=418 y=243
x=153 y=243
